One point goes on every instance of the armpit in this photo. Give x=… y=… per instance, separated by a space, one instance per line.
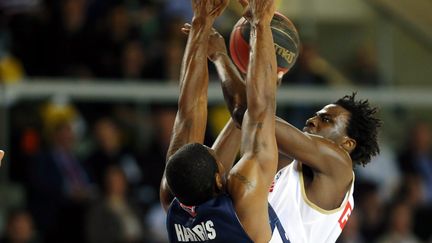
x=249 y=185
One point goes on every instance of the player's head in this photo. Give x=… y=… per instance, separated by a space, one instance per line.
x=193 y=174
x=351 y=124
x=362 y=127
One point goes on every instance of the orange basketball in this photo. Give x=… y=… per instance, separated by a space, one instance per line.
x=285 y=38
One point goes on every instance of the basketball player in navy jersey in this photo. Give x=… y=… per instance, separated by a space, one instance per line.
x=314 y=192
x=202 y=203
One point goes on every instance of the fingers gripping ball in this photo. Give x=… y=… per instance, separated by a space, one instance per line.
x=285 y=38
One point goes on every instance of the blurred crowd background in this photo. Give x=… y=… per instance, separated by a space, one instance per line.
x=80 y=171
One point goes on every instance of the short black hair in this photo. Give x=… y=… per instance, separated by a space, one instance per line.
x=190 y=173
x=362 y=127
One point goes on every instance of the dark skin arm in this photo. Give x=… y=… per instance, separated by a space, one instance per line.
x=227 y=146
x=232 y=83
x=250 y=178
x=191 y=118
x=227 y=143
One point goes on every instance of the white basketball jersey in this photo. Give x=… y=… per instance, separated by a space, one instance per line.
x=301 y=221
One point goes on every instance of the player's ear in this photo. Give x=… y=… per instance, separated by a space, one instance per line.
x=218 y=181
x=349 y=144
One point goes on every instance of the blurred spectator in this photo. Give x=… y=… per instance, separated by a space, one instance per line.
x=15 y=6
x=364 y=68
x=148 y=14
x=137 y=63
x=82 y=38
x=133 y=61
x=174 y=42
x=25 y=131
x=19 y=228
x=114 y=219
x=11 y=69
x=30 y=41
x=112 y=150
x=351 y=232
x=382 y=171
x=370 y=206
x=109 y=40
x=156 y=224
x=411 y=193
x=181 y=9
x=154 y=158
x=59 y=185
x=308 y=69
x=416 y=157
x=64 y=38
x=399 y=228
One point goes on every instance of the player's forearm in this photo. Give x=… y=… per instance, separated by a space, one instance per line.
x=227 y=145
x=262 y=70
x=191 y=116
x=233 y=87
x=194 y=72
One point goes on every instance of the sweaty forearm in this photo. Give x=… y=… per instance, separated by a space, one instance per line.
x=194 y=72
x=227 y=145
x=233 y=87
x=262 y=71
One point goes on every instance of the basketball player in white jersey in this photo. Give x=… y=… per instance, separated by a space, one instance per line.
x=312 y=197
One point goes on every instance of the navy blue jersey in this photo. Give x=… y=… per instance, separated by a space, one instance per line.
x=213 y=221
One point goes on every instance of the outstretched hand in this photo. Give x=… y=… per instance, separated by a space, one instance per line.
x=258 y=10
x=209 y=8
x=216 y=44
x=246 y=10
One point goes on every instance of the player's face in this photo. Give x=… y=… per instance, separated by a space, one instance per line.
x=329 y=122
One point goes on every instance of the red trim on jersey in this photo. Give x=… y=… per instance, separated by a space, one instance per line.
x=345 y=215
x=189 y=209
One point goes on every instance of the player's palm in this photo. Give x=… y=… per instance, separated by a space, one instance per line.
x=209 y=8
x=262 y=10
x=216 y=45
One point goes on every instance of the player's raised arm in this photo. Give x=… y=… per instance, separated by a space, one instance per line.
x=251 y=177
x=227 y=143
x=232 y=83
x=191 y=118
x=227 y=146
